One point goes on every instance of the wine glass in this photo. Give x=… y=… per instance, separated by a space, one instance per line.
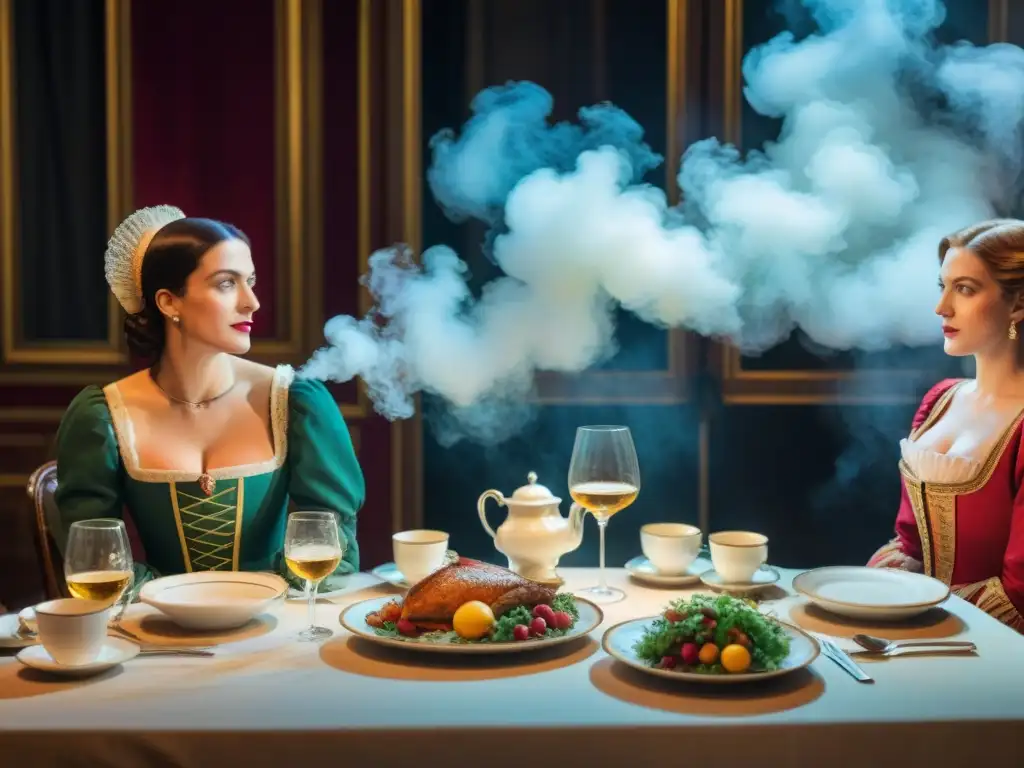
x=604 y=478
x=312 y=550
x=98 y=561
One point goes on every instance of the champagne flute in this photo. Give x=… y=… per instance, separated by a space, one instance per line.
x=312 y=550
x=98 y=561
x=604 y=478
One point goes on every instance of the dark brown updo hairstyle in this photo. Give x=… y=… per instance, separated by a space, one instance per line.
x=1000 y=244
x=173 y=254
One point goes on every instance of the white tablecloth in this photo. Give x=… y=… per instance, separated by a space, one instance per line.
x=266 y=699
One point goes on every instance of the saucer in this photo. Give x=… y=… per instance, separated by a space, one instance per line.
x=762 y=578
x=115 y=651
x=389 y=572
x=11 y=635
x=641 y=569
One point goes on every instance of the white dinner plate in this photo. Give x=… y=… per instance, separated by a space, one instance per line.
x=870 y=593
x=115 y=651
x=353 y=619
x=641 y=569
x=11 y=635
x=214 y=600
x=619 y=640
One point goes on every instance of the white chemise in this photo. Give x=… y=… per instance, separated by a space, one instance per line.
x=934 y=467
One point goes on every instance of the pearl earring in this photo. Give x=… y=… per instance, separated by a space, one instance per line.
x=1013 y=331
x=177 y=320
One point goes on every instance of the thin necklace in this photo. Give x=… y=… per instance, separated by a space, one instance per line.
x=194 y=405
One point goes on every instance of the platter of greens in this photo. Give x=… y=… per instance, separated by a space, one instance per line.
x=711 y=639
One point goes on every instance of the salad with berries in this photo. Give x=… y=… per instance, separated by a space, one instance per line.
x=713 y=635
x=475 y=622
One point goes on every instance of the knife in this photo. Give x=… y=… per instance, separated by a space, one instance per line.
x=842 y=658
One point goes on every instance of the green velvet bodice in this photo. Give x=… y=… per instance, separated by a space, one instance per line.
x=240 y=525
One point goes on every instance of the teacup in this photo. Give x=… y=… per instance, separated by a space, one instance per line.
x=738 y=555
x=73 y=630
x=670 y=547
x=419 y=553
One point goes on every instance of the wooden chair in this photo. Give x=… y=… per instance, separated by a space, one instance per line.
x=41 y=486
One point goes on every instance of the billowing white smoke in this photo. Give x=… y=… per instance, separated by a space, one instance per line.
x=888 y=143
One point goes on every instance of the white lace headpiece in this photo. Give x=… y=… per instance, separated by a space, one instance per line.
x=122 y=263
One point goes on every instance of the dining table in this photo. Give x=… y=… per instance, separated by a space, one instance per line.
x=266 y=698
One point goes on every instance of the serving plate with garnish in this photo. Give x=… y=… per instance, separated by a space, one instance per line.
x=716 y=640
x=475 y=628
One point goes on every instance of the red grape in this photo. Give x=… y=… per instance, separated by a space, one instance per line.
x=561 y=620
x=691 y=654
x=544 y=612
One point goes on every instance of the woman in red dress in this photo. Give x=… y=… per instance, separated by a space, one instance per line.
x=961 y=517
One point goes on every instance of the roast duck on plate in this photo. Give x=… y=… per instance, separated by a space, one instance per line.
x=432 y=602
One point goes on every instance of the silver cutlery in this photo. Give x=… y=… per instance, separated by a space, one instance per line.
x=170 y=651
x=155 y=648
x=884 y=647
x=843 y=660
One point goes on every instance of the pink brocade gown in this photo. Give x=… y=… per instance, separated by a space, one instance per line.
x=967 y=528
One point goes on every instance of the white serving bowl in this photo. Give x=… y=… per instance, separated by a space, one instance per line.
x=214 y=600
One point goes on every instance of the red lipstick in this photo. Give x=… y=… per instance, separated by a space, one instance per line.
x=242 y=327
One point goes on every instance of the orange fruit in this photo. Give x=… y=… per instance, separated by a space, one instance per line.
x=735 y=658
x=709 y=653
x=473 y=620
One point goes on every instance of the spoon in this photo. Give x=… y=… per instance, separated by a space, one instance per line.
x=881 y=645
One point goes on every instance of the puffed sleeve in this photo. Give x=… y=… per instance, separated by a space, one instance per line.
x=904 y=550
x=1003 y=596
x=324 y=473
x=90 y=475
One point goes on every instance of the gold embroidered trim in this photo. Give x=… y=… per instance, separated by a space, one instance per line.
x=923 y=529
x=173 y=488
x=239 y=508
x=123 y=429
x=993 y=600
x=968 y=591
x=941 y=511
x=937 y=410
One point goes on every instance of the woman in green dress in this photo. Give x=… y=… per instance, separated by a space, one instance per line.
x=203 y=448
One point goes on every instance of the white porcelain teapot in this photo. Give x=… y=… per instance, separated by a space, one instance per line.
x=534 y=535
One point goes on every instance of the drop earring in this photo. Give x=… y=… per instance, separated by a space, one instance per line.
x=1013 y=331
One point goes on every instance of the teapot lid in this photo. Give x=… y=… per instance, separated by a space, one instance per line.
x=533 y=493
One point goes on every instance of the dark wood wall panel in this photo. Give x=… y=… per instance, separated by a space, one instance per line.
x=61 y=201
